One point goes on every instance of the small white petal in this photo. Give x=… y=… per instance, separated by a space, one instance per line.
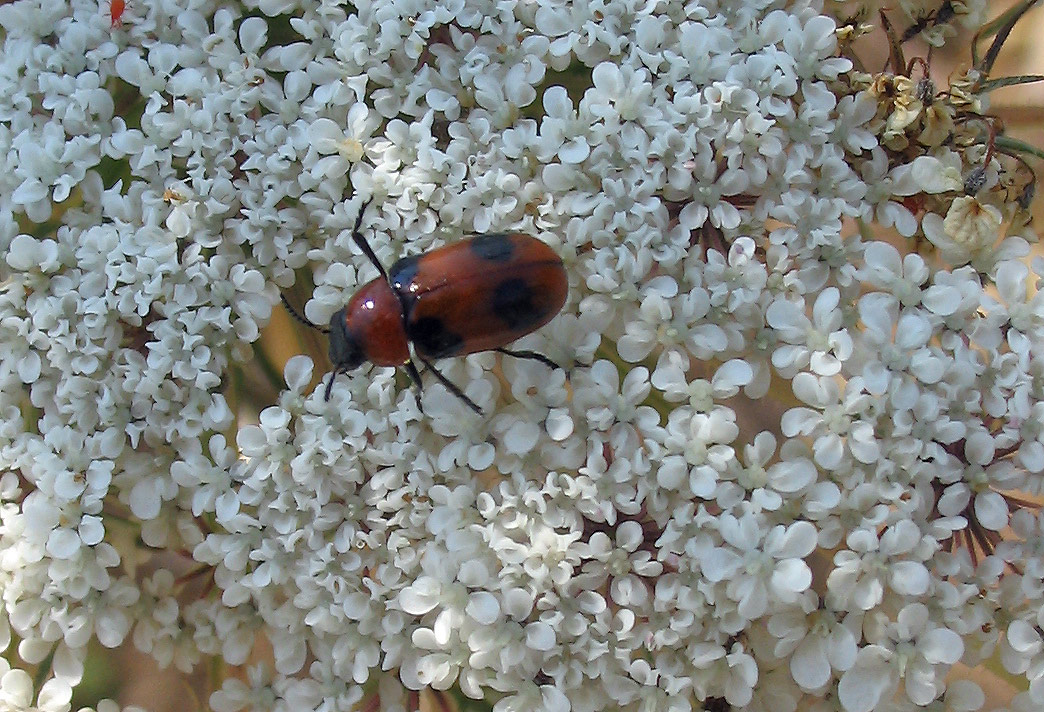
x=792 y=575
x=483 y=607
x=63 y=543
x=991 y=510
x=861 y=686
x=540 y=636
x=809 y=665
x=253 y=33
x=298 y=372
x=574 y=151
x=145 y=500
x=91 y=529
x=941 y=645
x=1024 y=638
x=909 y=577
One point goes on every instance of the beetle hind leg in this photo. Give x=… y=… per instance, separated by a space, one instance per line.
x=533 y=355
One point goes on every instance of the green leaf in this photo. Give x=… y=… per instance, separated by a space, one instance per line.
x=1007 y=144
x=991 y=84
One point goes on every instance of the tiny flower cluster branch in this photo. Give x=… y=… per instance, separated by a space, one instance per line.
x=795 y=460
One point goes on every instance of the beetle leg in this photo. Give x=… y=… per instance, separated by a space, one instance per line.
x=329 y=385
x=415 y=376
x=450 y=385
x=530 y=355
x=363 y=244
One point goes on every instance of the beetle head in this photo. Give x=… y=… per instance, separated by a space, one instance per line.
x=346 y=354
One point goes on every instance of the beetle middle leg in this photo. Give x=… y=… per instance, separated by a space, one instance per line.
x=450 y=385
x=415 y=376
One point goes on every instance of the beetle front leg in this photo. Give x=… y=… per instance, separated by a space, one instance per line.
x=363 y=244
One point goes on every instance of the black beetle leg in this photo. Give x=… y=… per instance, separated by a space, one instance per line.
x=329 y=384
x=363 y=244
x=414 y=374
x=530 y=355
x=450 y=385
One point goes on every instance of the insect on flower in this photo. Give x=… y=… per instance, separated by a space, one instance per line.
x=479 y=294
x=116 y=8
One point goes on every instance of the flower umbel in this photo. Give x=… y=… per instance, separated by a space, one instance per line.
x=793 y=451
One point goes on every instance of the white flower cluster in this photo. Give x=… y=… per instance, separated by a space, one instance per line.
x=783 y=472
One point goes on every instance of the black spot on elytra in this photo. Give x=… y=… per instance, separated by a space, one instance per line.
x=403 y=272
x=513 y=303
x=432 y=339
x=495 y=247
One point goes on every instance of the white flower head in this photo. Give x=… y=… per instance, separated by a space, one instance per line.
x=762 y=457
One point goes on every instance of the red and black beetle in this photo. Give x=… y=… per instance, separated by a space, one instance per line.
x=479 y=294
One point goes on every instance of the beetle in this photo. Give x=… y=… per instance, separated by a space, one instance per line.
x=478 y=294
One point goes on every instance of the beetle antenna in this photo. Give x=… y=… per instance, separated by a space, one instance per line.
x=294 y=313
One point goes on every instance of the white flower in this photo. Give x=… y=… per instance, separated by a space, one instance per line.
x=561 y=130
x=619 y=94
x=671 y=320
x=347 y=145
x=819 y=343
x=17 y=693
x=670 y=377
x=611 y=404
x=767 y=486
x=832 y=420
x=895 y=345
x=622 y=564
x=816 y=641
x=761 y=567
x=696 y=452
x=928 y=650
x=236 y=695
x=968 y=228
x=882 y=187
x=871 y=563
